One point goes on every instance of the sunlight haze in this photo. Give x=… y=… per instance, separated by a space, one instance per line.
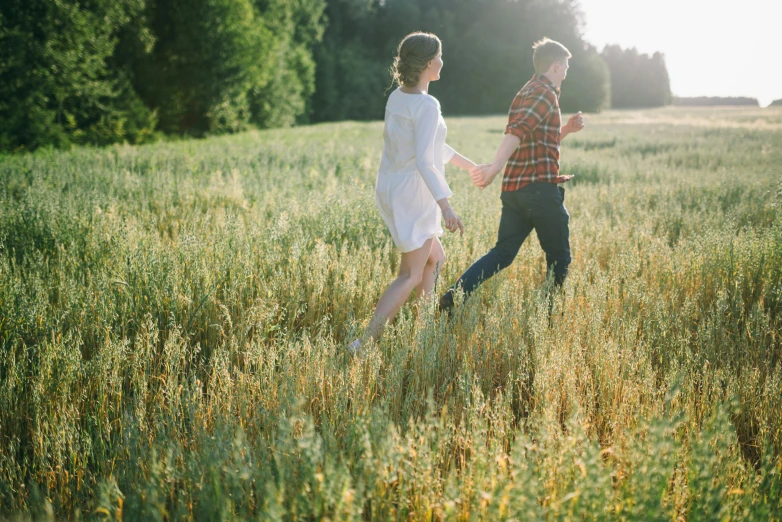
x=711 y=48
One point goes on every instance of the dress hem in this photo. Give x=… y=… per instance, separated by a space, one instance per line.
x=433 y=235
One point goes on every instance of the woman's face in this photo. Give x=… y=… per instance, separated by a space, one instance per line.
x=435 y=66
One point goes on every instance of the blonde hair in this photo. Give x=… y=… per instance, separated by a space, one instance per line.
x=415 y=52
x=546 y=52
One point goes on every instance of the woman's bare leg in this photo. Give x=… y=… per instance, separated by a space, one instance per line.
x=434 y=265
x=411 y=273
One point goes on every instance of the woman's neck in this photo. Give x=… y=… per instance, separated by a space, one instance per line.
x=421 y=88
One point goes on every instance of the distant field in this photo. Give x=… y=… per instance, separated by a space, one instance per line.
x=173 y=317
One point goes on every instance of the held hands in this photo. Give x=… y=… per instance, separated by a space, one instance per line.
x=476 y=175
x=483 y=175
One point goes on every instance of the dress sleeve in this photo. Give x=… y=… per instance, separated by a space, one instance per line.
x=426 y=120
x=448 y=153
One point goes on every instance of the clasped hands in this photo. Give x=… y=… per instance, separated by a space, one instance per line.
x=483 y=175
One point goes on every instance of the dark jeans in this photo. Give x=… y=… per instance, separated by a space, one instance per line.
x=538 y=206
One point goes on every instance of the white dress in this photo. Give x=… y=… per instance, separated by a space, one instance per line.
x=411 y=178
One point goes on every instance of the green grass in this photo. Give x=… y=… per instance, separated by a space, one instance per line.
x=173 y=317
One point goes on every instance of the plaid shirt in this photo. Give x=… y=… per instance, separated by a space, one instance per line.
x=535 y=118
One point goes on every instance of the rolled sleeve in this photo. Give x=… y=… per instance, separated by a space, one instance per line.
x=527 y=112
x=517 y=129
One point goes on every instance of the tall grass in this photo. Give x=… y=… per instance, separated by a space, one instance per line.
x=173 y=320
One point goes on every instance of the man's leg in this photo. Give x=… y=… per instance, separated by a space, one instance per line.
x=552 y=223
x=514 y=229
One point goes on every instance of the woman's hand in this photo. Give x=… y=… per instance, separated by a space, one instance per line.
x=483 y=175
x=452 y=221
x=476 y=175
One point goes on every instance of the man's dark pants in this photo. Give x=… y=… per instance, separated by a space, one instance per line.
x=538 y=206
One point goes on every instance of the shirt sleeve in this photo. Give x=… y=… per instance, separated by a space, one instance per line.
x=426 y=121
x=527 y=111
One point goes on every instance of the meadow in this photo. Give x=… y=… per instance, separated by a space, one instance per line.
x=173 y=320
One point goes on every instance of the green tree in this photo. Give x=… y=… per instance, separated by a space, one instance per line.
x=637 y=80
x=296 y=27
x=57 y=81
x=352 y=69
x=588 y=83
x=221 y=65
x=487 y=49
x=207 y=55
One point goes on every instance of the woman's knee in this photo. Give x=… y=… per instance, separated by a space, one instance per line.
x=414 y=263
x=436 y=260
x=411 y=278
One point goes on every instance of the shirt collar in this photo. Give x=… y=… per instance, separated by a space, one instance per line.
x=545 y=81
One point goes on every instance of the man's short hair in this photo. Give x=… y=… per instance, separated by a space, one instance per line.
x=546 y=52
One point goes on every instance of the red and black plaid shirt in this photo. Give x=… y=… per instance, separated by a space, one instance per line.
x=534 y=117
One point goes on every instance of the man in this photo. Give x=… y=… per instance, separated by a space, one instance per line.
x=531 y=197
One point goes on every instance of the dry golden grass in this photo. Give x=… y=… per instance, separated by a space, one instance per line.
x=173 y=320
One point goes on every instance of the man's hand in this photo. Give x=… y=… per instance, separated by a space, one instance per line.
x=476 y=175
x=487 y=174
x=574 y=124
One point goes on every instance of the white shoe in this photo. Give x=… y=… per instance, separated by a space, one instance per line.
x=354 y=348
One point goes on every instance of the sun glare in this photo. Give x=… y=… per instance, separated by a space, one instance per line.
x=712 y=48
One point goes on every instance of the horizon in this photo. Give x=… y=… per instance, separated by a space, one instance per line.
x=737 y=37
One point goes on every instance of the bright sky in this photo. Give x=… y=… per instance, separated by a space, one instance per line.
x=711 y=47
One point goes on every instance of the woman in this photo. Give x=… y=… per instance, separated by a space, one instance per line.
x=411 y=191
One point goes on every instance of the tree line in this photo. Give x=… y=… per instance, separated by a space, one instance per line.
x=637 y=80
x=102 y=71
x=709 y=101
x=105 y=71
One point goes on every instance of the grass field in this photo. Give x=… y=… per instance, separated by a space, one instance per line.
x=173 y=317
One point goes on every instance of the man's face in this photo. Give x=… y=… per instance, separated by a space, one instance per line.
x=560 y=70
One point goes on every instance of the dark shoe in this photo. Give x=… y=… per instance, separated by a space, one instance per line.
x=446 y=304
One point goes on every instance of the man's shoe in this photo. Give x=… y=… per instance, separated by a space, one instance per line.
x=445 y=305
